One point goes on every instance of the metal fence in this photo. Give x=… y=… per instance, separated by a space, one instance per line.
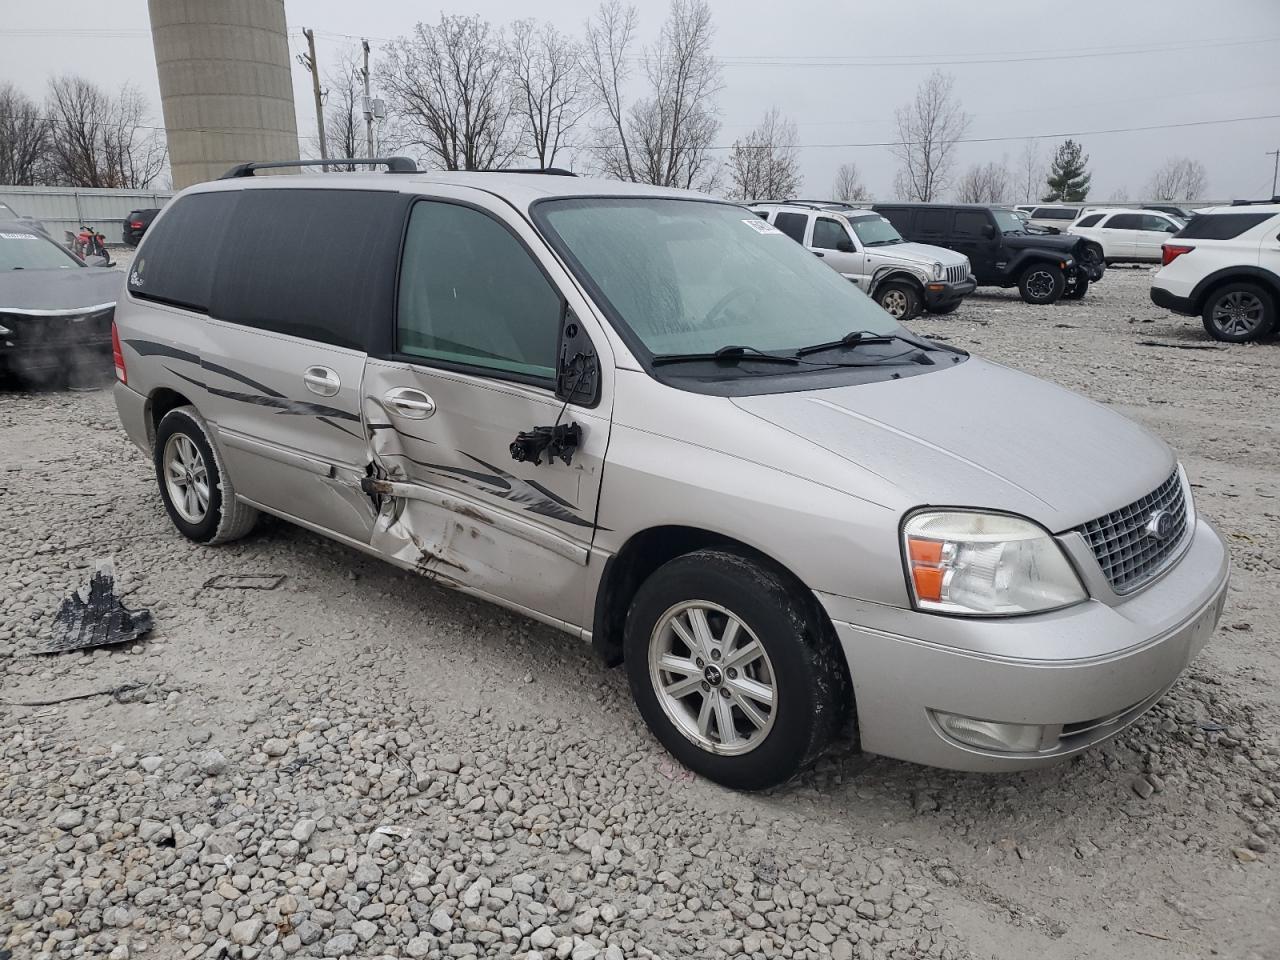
x=66 y=208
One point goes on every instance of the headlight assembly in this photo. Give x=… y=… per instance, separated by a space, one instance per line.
x=968 y=563
x=938 y=271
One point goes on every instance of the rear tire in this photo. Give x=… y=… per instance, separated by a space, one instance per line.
x=691 y=693
x=900 y=300
x=194 y=485
x=1239 y=312
x=1042 y=284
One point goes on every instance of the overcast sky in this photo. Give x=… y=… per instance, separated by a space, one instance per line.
x=1050 y=69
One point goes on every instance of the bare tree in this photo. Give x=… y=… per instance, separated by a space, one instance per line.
x=97 y=140
x=449 y=85
x=1031 y=172
x=546 y=71
x=848 y=186
x=24 y=138
x=928 y=129
x=344 y=129
x=1180 y=178
x=665 y=137
x=765 y=164
x=985 y=183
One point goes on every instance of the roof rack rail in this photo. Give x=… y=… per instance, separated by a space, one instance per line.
x=393 y=165
x=1245 y=203
x=546 y=171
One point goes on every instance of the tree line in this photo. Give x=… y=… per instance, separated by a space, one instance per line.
x=464 y=94
x=80 y=135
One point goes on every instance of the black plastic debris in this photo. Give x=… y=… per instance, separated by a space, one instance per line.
x=93 y=616
x=244 y=581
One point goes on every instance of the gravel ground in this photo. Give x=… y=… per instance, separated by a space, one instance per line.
x=360 y=763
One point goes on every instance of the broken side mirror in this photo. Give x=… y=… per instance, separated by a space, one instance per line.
x=578 y=365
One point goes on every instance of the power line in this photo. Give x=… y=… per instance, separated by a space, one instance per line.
x=1034 y=136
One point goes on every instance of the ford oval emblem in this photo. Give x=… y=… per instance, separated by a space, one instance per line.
x=1160 y=525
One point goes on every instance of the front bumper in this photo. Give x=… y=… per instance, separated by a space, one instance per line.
x=1170 y=301
x=57 y=340
x=1083 y=674
x=942 y=293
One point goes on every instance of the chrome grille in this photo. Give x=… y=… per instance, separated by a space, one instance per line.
x=1128 y=554
x=957 y=274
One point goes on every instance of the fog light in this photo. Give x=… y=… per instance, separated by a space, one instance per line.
x=990 y=735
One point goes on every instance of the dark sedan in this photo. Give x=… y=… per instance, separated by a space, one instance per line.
x=55 y=310
x=135 y=225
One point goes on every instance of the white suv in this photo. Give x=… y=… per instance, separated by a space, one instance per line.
x=1225 y=267
x=906 y=279
x=1128 y=234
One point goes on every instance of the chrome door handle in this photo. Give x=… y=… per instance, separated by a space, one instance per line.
x=410 y=403
x=322 y=381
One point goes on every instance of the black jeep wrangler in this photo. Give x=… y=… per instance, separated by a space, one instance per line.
x=1044 y=267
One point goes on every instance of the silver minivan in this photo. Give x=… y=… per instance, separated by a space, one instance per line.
x=648 y=418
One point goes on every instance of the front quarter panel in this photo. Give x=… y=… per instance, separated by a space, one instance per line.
x=832 y=539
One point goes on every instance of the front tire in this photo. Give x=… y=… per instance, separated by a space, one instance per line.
x=1041 y=284
x=1239 y=312
x=734 y=668
x=900 y=300
x=194 y=485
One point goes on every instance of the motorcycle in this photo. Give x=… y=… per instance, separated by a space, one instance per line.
x=89 y=243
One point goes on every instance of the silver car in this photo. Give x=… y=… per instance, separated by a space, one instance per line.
x=906 y=279
x=647 y=418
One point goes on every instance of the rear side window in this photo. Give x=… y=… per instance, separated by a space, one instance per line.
x=900 y=217
x=179 y=254
x=317 y=264
x=1151 y=222
x=933 y=222
x=792 y=224
x=1055 y=213
x=470 y=293
x=1091 y=220
x=1221 y=226
x=969 y=223
x=1126 y=221
x=827 y=234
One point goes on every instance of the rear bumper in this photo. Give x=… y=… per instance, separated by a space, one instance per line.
x=1170 y=301
x=903 y=682
x=132 y=408
x=942 y=293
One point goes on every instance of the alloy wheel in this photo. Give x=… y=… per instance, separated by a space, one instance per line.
x=1238 y=314
x=712 y=677
x=1040 y=285
x=895 y=304
x=186 y=478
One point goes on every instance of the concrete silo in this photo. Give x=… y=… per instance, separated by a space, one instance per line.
x=225 y=84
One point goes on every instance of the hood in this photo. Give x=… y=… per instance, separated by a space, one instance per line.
x=1042 y=241
x=58 y=291
x=979 y=435
x=920 y=253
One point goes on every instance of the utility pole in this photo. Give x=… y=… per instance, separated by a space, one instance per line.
x=368 y=104
x=1275 y=172
x=308 y=60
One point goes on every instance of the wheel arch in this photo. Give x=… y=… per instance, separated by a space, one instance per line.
x=1244 y=273
x=159 y=402
x=892 y=275
x=646 y=551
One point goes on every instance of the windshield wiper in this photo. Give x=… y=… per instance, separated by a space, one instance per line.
x=860 y=337
x=727 y=354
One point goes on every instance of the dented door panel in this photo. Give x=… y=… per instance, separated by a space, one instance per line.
x=457 y=507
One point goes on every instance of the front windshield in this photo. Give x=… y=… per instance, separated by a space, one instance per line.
x=26 y=251
x=1007 y=222
x=875 y=231
x=692 y=276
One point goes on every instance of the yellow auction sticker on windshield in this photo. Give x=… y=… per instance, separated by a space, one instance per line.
x=759 y=226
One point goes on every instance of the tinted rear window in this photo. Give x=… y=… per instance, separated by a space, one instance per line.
x=1221 y=226
x=1090 y=220
x=1125 y=221
x=1055 y=213
x=318 y=264
x=933 y=221
x=178 y=256
x=792 y=224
